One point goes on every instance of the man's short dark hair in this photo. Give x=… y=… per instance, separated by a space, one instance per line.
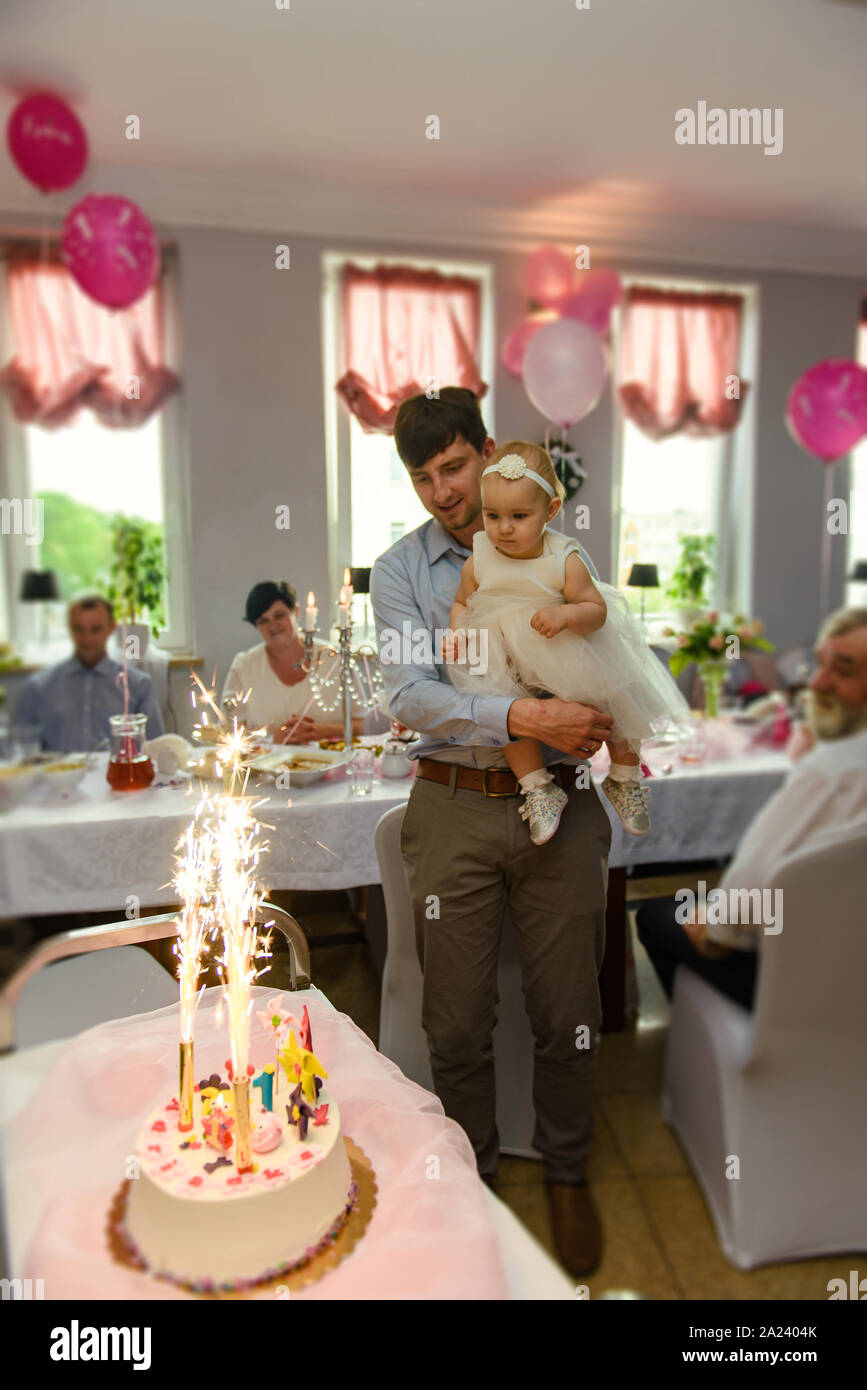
x=426 y=426
x=90 y=601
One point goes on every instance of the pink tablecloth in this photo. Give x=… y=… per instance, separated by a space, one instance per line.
x=430 y=1236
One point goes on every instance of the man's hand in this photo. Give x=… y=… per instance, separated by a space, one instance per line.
x=550 y=621
x=697 y=933
x=579 y=730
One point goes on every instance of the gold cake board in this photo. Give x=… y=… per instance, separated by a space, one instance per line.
x=283 y=1285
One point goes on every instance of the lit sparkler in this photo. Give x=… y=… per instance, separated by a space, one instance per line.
x=193 y=884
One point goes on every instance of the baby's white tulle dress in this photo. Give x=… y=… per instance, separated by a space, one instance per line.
x=612 y=669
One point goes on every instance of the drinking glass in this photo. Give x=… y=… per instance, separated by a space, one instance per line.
x=694 y=749
x=26 y=740
x=129 y=767
x=361 y=772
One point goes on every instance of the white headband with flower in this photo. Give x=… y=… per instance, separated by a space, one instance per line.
x=513 y=466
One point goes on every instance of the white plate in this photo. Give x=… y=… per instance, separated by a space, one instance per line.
x=272 y=764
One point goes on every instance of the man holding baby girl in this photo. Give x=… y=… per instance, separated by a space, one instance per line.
x=464 y=841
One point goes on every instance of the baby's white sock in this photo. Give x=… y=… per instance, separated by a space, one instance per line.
x=537 y=778
x=623 y=772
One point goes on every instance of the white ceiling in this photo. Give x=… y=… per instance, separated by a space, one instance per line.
x=556 y=123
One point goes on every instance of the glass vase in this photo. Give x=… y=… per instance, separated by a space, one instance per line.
x=713 y=674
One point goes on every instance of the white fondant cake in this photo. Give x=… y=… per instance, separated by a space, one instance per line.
x=193 y=1218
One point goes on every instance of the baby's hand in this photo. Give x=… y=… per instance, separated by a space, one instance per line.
x=549 y=621
x=454 y=642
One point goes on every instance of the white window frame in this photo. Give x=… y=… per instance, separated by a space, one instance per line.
x=177 y=635
x=337 y=423
x=733 y=583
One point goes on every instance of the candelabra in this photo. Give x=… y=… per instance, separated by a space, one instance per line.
x=357 y=679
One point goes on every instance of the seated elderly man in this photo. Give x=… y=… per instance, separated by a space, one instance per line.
x=72 y=701
x=826 y=789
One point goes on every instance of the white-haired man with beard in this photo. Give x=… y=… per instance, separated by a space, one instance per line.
x=826 y=789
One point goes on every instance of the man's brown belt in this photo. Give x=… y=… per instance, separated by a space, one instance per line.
x=487 y=780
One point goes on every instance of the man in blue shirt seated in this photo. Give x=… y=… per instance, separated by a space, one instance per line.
x=467 y=852
x=71 y=702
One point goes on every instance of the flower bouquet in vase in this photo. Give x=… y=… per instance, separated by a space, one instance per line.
x=712 y=643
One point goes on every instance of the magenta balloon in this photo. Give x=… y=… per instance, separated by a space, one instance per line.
x=111 y=249
x=588 y=307
x=827 y=408
x=47 y=141
x=517 y=343
x=549 y=276
x=564 y=371
x=592 y=303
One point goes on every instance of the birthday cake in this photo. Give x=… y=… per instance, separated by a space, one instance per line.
x=212 y=1208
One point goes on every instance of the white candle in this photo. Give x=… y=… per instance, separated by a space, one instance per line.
x=343 y=609
x=347 y=584
x=311 y=613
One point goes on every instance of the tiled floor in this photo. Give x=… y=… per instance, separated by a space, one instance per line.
x=659 y=1240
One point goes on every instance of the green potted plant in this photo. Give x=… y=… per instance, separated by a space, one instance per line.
x=138 y=576
x=689 y=583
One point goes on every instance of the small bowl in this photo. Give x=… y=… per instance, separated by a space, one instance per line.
x=15 y=783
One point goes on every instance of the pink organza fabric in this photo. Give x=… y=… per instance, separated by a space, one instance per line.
x=71 y=352
x=430 y=1237
x=677 y=353
x=404 y=329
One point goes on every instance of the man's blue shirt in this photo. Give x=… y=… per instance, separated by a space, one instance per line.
x=71 y=703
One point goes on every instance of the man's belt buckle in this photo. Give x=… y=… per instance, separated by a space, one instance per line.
x=485 y=792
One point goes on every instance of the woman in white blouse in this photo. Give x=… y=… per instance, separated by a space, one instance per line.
x=270 y=674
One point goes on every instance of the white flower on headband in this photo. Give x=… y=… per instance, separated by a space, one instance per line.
x=511 y=466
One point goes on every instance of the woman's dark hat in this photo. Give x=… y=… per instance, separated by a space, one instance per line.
x=261 y=596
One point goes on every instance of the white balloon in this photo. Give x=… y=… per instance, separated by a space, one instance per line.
x=564 y=371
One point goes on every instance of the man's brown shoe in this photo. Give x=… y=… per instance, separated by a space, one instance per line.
x=576 y=1226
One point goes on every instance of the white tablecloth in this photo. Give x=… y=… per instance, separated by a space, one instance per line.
x=96 y=849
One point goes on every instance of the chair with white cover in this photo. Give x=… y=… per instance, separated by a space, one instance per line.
x=401 y=1036
x=100 y=973
x=781 y=1089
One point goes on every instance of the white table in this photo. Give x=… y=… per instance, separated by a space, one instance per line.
x=530 y=1271
x=96 y=849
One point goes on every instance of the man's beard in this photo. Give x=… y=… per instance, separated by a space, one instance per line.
x=829 y=718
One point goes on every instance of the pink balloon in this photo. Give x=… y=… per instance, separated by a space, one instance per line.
x=517 y=343
x=564 y=371
x=111 y=249
x=827 y=408
x=592 y=303
x=549 y=276
x=47 y=141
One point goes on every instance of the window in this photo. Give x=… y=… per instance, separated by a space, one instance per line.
x=856 y=591
x=371 y=500
x=84 y=473
x=684 y=485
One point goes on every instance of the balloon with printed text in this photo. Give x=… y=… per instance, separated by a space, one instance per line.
x=47 y=142
x=111 y=249
x=826 y=412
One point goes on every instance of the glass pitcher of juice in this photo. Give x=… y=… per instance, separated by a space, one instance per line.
x=129 y=767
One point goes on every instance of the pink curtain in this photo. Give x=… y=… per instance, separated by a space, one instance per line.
x=402 y=330
x=678 y=362
x=71 y=352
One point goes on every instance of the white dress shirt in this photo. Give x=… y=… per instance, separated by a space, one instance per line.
x=825 y=791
